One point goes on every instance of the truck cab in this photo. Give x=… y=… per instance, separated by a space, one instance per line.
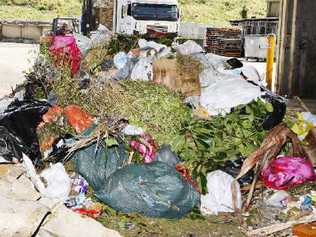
x=131 y=16
x=145 y=16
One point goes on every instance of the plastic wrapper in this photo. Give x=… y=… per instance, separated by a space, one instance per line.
x=287 y=172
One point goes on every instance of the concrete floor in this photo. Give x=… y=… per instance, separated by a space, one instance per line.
x=15 y=59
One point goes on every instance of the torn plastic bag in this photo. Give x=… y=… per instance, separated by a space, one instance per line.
x=126 y=71
x=83 y=43
x=21 y=119
x=155 y=190
x=146 y=45
x=287 y=172
x=97 y=162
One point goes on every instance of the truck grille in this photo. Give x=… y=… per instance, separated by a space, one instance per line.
x=163 y=29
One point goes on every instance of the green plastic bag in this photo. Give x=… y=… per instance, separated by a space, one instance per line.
x=154 y=190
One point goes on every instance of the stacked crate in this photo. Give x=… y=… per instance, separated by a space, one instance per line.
x=224 y=41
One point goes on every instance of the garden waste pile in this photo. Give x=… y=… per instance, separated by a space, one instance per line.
x=132 y=131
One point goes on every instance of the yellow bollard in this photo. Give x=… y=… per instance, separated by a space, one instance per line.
x=270 y=60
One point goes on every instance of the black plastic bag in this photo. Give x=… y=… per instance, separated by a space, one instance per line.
x=21 y=119
x=233 y=168
x=10 y=146
x=279 y=111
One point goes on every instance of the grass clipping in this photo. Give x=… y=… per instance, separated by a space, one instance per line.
x=156 y=109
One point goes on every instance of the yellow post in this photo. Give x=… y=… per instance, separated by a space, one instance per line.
x=270 y=60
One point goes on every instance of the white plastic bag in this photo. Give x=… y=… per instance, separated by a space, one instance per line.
x=189 y=47
x=120 y=60
x=219 y=197
x=144 y=44
x=219 y=96
x=57 y=182
x=131 y=130
x=143 y=70
x=83 y=43
x=102 y=36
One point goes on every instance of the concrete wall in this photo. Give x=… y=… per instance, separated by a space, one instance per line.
x=20 y=31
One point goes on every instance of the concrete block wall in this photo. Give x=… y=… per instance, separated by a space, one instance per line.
x=19 y=31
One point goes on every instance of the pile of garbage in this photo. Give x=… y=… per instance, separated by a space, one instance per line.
x=155 y=130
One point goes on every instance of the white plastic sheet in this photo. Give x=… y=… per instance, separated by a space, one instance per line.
x=219 y=198
x=222 y=96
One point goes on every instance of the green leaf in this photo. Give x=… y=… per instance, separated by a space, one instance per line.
x=269 y=107
x=111 y=142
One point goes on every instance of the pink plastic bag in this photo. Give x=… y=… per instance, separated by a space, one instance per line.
x=286 y=172
x=146 y=146
x=66 y=52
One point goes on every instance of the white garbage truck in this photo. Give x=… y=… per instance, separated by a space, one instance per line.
x=132 y=16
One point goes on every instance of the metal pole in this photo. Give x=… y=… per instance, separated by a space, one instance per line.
x=270 y=60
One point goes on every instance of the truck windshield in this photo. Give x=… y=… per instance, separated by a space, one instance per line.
x=155 y=12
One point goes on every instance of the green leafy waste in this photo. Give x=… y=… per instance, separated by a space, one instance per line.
x=204 y=146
